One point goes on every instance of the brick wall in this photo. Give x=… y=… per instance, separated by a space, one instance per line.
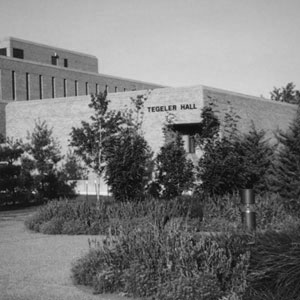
x=7 y=65
x=64 y=113
x=266 y=114
x=42 y=54
x=3 y=118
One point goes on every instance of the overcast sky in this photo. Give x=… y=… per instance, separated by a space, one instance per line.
x=247 y=46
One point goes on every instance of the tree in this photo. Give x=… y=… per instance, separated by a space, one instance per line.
x=91 y=140
x=286 y=94
x=15 y=181
x=112 y=143
x=285 y=173
x=174 y=172
x=128 y=166
x=73 y=167
x=233 y=161
x=219 y=167
x=43 y=159
x=257 y=154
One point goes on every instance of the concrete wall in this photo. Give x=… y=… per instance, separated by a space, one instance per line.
x=34 y=70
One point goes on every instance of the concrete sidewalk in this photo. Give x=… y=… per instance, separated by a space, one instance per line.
x=34 y=266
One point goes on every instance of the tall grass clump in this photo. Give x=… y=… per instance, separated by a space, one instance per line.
x=68 y=217
x=274 y=271
x=73 y=217
x=167 y=264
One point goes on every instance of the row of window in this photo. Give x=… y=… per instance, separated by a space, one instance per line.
x=17 y=53
x=54 y=61
x=53 y=87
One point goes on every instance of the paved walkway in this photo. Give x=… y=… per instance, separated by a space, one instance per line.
x=34 y=266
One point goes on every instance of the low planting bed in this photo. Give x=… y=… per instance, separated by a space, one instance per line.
x=161 y=250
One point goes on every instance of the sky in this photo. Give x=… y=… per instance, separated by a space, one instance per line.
x=246 y=46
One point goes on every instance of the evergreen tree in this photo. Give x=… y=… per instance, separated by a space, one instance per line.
x=232 y=161
x=175 y=173
x=73 y=167
x=15 y=180
x=44 y=159
x=220 y=166
x=128 y=166
x=285 y=173
x=257 y=155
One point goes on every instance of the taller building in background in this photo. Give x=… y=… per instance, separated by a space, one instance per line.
x=31 y=71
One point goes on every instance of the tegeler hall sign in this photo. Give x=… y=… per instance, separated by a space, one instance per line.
x=171 y=107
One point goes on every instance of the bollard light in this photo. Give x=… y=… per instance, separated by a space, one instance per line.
x=248 y=209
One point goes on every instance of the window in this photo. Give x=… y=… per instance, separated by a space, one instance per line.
x=86 y=88
x=53 y=87
x=41 y=86
x=65 y=62
x=54 y=60
x=106 y=88
x=116 y=89
x=13 y=84
x=97 y=89
x=18 y=53
x=124 y=89
x=76 y=88
x=3 y=51
x=65 y=87
x=27 y=86
x=191 y=141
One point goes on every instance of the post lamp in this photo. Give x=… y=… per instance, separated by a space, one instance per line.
x=248 y=209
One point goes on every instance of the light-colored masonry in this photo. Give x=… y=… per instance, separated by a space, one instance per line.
x=180 y=105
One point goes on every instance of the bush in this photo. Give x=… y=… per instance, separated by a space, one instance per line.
x=159 y=254
x=167 y=264
x=68 y=217
x=175 y=173
x=275 y=265
x=53 y=226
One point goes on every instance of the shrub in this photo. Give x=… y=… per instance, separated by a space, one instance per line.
x=73 y=227
x=275 y=265
x=127 y=168
x=53 y=226
x=167 y=264
x=232 y=161
x=85 y=270
x=74 y=218
x=200 y=286
x=175 y=173
x=284 y=176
